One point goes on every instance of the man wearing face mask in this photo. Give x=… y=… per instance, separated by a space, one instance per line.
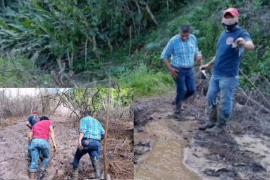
x=225 y=70
x=179 y=56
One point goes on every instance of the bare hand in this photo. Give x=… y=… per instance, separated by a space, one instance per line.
x=80 y=146
x=174 y=72
x=54 y=147
x=204 y=67
x=240 y=42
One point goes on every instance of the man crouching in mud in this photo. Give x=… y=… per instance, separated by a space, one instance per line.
x=178 y=56
x=225 y=73
x=91 y=134
x=41 y=132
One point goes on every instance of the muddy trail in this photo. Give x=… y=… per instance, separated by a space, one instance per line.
x=14 y=163
x=169 y=149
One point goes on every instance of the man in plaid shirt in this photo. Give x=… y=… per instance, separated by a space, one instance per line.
x=179 y=56
x=91 y=134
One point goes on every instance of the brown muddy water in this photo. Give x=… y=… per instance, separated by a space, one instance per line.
x=165 y=159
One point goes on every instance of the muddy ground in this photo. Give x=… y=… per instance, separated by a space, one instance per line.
x=241 y=152
x=13 y=150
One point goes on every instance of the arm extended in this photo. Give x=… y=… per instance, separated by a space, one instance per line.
x=53 y=137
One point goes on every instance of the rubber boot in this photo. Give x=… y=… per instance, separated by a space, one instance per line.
x=177 y=112
x=96 y=166
x=75 y=174
x=211 y=120
x=220 y=125
x=42 y=174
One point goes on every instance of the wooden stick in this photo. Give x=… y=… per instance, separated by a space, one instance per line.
x=105 y=138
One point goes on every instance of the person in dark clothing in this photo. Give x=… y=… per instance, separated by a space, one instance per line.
x=225 y=72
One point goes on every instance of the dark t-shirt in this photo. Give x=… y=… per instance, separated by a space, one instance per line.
x=228 y=56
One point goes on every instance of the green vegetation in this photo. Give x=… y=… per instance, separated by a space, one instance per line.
x=123 y=39
x=205 y=18
x=54 y=31
x=96 y=99
x=146 y=82
x=18 y=72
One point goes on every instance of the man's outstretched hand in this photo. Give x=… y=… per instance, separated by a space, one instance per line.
x=205 y=67
x=240 y=42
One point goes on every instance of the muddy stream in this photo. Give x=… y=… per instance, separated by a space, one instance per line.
x=176 y=150
x=160 y=141
x=165 y=159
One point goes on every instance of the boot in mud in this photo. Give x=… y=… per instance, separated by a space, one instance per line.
x=97 y=169
x=219 y=127
x=42 y=174
x=75 y=174
x=177 y=113
x=212 y=119
x=32 y=175
x=207 y=125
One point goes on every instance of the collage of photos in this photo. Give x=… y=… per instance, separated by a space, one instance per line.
x=134 y=90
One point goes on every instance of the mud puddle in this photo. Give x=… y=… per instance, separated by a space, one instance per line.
x=165 y=159
x=160 y=141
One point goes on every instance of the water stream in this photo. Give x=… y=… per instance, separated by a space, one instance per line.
x=165 y=159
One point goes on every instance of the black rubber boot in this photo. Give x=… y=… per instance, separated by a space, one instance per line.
x=177 y=113
x=212 y=119
x=97 y=169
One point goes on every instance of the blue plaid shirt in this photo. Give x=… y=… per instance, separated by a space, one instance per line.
x=181 y=53
x=91 y=128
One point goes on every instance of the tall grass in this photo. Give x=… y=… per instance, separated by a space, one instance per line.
x=20 y=72
x=146 y=82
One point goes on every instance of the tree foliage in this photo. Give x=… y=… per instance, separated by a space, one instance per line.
x=55 y=33
x=95 y=99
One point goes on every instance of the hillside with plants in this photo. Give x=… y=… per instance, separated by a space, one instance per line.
x=86 y=43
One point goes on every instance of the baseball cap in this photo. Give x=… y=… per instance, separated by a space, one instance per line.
x=232 y=11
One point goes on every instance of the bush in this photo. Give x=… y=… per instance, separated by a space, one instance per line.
x=55 y=31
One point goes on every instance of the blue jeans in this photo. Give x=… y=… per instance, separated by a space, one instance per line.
x=37 y=147
x=90 y=146
x=226 y=86
x=185 y=85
